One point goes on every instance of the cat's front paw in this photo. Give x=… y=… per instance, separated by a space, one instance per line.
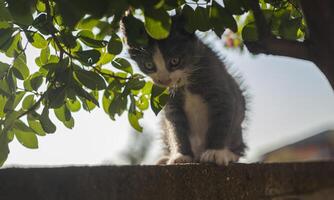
x=219 y=156
x=179 y=158
x=163 y=160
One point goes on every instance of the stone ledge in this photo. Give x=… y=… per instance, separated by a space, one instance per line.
x=186 y=182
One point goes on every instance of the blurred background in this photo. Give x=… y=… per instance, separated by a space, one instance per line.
x=290 y=118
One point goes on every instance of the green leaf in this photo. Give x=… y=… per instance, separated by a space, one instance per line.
x=249 y=33
x=90 y=79
x=88 y=23
x=56 y=97
x=5 y=16
x=37 y=40
x=10 y=135
x=122 y=64
x=115 y=44
x=63 y=114
x=44 y=26
x=33 y=82
x=35 y=124
x=216 y=21
x=88 y=38
x=84 y=94
x=5 y=37
x=105 y=58
x=134 y=115
x=11 y=81
x=88 y=57
x=135 y=84
x=28 y=102
x=21 y=11
x=70 y=123
x=14 y=46
x=106 y=101
x=9 y=120
x=45 y=55
x=4 y=24
x=46 y=123
x=18 y=98
x=189 y=14
x=4 y=67
x=70 y=12
x=163 y=99
x=4 y=150
x=134 y=120
x=135 y=30
x=142 y=103
x=25 y=135
x=202 y=18
x=68 y=39
x=118 y=105
x=236 y=7
x=156 y=93
x=157 y=23
x=2 y=106
x=88 y=105
x=73 y=106
x=147 y=88
x=36 y=81
x=222 y=16
x=13 y=101
x=40 y=6
x=289 y=27
x=20 y=68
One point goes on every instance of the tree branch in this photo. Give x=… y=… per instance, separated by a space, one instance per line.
x=280 y=47
x=269 y=44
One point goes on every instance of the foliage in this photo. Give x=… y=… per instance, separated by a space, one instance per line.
x=80 y=63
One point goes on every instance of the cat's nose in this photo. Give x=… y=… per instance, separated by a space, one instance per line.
x=165 y=82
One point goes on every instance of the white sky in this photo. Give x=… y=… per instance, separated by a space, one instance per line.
x=291 y=99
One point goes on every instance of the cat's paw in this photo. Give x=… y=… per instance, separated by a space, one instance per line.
x=179 y=158
x=219 y=156
x=163 y=160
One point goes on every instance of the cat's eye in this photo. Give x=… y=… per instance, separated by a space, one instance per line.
x=174 y=62
x=149 y=66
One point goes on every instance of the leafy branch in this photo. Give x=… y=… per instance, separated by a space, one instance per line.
x=34 y=106
x=269 y=44
x=110 y=75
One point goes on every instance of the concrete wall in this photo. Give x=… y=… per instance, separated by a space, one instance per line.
x=186 y=182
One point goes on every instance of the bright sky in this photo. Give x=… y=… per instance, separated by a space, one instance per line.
x=290 y=99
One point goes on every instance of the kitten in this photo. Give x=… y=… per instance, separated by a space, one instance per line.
x=202 y=119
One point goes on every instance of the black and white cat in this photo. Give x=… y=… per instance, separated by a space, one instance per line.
x=202 y=120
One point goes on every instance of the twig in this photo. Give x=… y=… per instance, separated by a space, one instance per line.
x=111 y=75
x=53 y=35
x=33 y=92
x=33 y=107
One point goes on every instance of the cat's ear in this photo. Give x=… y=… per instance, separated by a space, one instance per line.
x=134 y=31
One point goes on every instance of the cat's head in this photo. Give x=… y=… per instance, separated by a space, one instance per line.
x=168 y=61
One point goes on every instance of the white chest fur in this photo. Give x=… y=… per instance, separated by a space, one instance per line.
x=196 y=111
